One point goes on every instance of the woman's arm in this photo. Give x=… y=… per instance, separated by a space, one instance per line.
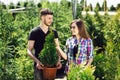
x=60 y=51
x=89 y=52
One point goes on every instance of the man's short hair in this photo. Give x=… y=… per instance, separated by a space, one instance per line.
x=45 y=12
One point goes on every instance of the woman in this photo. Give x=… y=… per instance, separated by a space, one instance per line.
x=79 y=47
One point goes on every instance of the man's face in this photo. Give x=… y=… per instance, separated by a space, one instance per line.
x=47 y=20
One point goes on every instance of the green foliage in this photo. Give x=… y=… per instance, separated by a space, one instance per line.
x=106 y=66
x=107 y=63
x=48 y=56
x=15 y=27
x=112 y=48
x=95 y=28
x=79 y=73
x=23 y=68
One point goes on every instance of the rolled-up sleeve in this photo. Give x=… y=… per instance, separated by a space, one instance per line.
x=90 y=49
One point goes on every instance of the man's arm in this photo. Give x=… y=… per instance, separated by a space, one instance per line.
x=29 y=51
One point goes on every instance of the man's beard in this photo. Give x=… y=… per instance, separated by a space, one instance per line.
x=46 y=23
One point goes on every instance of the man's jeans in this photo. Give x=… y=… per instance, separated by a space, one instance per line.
x=37 y=74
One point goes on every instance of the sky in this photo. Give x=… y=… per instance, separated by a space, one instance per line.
x=93 y=2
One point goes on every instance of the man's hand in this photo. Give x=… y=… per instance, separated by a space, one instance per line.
x=39 y=65
x=59 y=65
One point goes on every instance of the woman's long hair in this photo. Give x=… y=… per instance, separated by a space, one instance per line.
x=81 y=27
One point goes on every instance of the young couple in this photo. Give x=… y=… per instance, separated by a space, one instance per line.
x=78 y=50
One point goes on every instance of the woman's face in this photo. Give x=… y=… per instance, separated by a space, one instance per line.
x=74 y=29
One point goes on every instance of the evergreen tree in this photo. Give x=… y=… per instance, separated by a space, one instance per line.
x=98 y=7
x=39 y=5
x=104 y=6
x=11 y=6
x=18 y=5
x=3 y=5
x=85 y=5
x=112 y=8
x=118 y=6
x=25 y=4
x=82 y=4
x=90 y=7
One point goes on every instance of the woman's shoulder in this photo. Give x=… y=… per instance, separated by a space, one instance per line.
x=88 y=40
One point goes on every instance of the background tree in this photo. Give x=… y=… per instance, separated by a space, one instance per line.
x=98 y=7
x=80 y=7
x=112 y=8
x=104 y=6
x=25 y=4
x=3 y=5
x=90 y=7
x=18 y=5
x=85 y=5
x=118 y=6
x=39 y=5
x=11 y=6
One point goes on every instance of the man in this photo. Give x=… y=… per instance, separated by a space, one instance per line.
x=37 y=39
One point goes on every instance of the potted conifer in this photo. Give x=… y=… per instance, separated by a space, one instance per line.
x=49 y=57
